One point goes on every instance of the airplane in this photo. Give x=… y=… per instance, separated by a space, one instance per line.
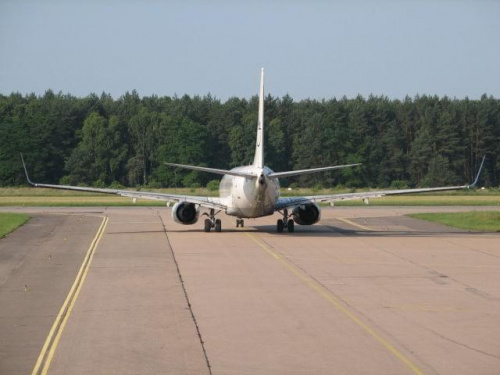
x=252 y=191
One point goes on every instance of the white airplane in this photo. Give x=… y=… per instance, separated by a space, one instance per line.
x=252 y=191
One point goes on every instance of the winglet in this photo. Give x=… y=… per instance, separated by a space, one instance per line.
x=26 y=171
x=473 y=185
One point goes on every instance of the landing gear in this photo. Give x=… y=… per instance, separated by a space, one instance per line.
x=240 y=223
x=218 y=227
x=208 y=225
x=287 y=223
x=280 y=226
x=211 y=222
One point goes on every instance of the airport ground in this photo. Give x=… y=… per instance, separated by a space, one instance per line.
x=366 y=291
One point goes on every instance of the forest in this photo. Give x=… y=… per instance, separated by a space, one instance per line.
x=100 y=141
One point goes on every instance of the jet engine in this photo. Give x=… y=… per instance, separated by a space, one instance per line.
x=185 y=213
x=307 y=214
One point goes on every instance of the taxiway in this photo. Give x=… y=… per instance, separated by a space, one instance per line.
x=368 y=290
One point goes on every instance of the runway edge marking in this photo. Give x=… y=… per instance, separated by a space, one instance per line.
x=332 y=299
x=50 y=345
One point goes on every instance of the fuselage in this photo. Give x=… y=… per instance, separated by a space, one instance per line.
x=250 y=197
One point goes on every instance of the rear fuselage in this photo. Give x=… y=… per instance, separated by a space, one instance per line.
x=249 y=197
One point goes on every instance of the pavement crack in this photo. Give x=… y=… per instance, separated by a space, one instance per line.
x=190 y=307
x=455 y=342
x=436 y=276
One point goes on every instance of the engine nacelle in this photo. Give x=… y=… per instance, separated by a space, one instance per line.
x=307 y=214
x=185 y=213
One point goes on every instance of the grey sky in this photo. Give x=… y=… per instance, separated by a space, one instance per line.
x=310 y=49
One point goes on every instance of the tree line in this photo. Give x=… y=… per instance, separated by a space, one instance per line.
x=100 y=141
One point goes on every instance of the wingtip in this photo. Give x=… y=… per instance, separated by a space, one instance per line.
x=476 y=180
x=26 y=170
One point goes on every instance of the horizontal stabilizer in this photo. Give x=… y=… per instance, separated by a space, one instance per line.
x=312 y=170
x=213 y=170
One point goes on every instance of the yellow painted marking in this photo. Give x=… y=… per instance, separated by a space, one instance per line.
x=424 y=308
x=332 y=299
x=50 y=344
x=347 y=221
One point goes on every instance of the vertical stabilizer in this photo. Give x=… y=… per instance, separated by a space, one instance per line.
x=258 y=160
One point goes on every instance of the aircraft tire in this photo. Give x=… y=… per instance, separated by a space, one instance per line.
x=291 y=226
x=280 y=226
x=218 y=225
x=208 y=225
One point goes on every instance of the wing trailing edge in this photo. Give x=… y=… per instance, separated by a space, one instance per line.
x=213 y=170
x=311 y=170
x=207 y=202
x=288 y=202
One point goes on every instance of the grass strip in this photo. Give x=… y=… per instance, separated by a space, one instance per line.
x=484 y=221
x=9 y=222
x=428 y=200
x=76 y=201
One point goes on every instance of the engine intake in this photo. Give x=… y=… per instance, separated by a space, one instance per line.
x=185 y=213
x=307 y=214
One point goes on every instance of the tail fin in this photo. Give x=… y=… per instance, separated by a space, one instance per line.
x=258 y=160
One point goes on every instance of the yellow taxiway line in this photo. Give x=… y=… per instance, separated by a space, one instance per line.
x=347 y=221
x=334 y=300
x=49 y=347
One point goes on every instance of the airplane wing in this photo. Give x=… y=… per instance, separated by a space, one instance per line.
x=311 y=170
x=213 y=170
x=207 y=202
x=290 y=202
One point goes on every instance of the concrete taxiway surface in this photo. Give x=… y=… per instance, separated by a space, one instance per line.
x=368 y=290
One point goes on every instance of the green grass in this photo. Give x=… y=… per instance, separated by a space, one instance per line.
x=486 y=221
x=9 y=222
x=429 y=200
x=75 y=201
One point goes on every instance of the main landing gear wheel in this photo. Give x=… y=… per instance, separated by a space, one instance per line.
x=240 y=223
x=287 y=223
x=211 y=222
x=208 y=225
x=280 y=226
